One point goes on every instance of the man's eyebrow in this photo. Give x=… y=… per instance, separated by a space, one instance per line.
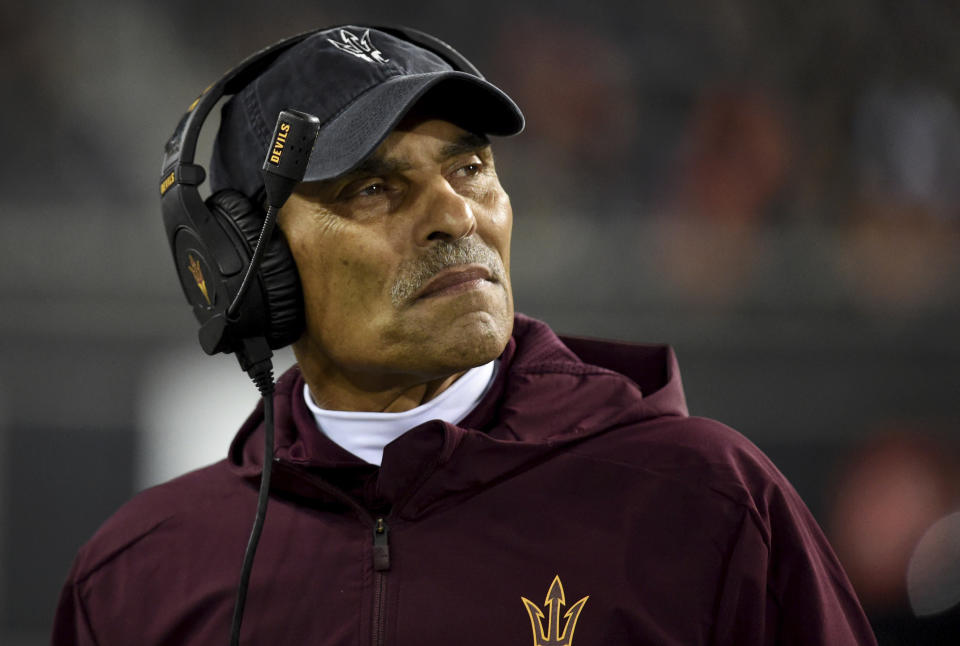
x=384 y=166
x=466 y=143
x=379 y=166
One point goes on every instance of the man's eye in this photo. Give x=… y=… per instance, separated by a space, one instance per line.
x=373 y=189
x=468 y=170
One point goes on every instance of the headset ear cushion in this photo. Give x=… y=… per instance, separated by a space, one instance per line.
x=278 y=277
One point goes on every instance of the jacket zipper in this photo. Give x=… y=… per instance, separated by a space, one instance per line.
x=381 y=548
x=381 y=564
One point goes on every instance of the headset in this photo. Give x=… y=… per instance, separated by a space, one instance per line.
x=213 y=240
x=240 y=278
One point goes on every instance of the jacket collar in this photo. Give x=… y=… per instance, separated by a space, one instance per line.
x=601 y=384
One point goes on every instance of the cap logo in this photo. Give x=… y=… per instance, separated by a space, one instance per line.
x=360 y=47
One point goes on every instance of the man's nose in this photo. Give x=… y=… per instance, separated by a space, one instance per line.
x=444 y=214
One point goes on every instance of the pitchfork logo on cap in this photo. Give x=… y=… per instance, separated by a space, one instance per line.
x=360 y=47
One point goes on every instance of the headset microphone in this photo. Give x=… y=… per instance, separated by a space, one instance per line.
x=287 y=159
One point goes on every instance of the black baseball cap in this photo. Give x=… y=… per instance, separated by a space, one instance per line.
x=359 y=82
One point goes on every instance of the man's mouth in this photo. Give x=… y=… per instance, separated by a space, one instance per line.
x=454 y=280
x=449 y=267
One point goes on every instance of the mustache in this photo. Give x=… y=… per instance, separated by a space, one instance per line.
x=414 y=274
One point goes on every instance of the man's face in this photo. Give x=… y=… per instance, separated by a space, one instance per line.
x=405 y=262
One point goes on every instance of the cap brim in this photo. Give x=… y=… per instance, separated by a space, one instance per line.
x=350 y=137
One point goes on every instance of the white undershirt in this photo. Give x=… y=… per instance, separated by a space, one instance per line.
x=364 y=434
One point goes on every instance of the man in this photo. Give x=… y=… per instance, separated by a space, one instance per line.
x=446 y=471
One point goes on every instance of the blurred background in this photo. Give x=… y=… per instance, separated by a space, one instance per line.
x=771 y=188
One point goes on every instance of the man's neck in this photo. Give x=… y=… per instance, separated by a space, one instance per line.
x=339 y=390
x=419 y=394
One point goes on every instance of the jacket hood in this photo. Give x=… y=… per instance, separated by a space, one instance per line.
x=549 y=392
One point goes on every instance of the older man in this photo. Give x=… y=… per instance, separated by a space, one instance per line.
x=446 y=471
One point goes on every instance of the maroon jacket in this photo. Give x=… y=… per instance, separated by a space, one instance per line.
x=565 y=505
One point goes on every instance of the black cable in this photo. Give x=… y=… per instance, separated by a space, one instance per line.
x=264 y=381
x=265 y=233
x=281 y=173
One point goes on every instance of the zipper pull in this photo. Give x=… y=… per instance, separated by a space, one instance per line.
x=381 y=546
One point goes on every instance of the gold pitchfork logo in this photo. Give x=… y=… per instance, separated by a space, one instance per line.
x=194 y=267
x=553 y=636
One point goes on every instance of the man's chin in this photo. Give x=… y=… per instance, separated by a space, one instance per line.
x=464 y=339
x=482 y=337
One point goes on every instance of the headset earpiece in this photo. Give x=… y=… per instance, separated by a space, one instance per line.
x=274 y=306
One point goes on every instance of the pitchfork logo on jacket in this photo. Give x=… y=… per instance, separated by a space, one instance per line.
x=552 y=635
x=361 y=47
